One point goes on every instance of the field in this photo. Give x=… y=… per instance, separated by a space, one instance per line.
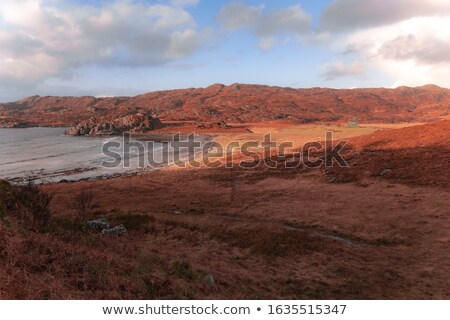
x=216 y=233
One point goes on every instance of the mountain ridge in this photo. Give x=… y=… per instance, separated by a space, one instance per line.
x=239 y=103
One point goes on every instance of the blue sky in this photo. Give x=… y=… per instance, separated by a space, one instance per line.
x=127 y=47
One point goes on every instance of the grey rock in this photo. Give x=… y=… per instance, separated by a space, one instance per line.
x=116 y=231
x=209 y=280
x=98 y=224
x=176 y=212
x=385 y=172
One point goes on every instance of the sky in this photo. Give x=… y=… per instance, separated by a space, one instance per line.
x=128 y=47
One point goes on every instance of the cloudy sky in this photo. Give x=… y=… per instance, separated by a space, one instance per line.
x=127 y=47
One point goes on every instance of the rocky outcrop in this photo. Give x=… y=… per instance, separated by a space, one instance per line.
x=137 y=123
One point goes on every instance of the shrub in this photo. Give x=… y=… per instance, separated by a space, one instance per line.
x=85 y=203
x=28 y=202
x=40 y=206
x=5 y=197
x=39 y=202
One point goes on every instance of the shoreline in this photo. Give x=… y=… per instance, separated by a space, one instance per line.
x=163 y=138
x=296 y=133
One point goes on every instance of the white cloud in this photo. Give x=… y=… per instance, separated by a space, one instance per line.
x=424 y=50
x=332 y=71
x=237 y=15
x=415 y=51
x=265 y=43
x=40 y=40
x=266 y=25
x=342 y=15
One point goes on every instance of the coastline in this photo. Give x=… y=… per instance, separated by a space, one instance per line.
x=59 y=177
x=281 y=132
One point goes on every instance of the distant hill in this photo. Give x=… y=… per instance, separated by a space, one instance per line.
x=240 y=103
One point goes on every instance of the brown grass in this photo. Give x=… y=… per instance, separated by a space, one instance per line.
x=261 y=233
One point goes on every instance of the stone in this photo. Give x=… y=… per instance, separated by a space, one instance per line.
x=98 y=224
x=116 y=231
x=384 y=172
x=175 y=212
x=209 y=280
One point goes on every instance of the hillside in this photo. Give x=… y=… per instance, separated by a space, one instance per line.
x=239 y=103
x=428 y=135
x=418 y=155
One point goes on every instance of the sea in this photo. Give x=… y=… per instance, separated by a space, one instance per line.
x=48 y=155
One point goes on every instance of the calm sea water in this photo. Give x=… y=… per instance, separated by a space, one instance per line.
x=53 y=156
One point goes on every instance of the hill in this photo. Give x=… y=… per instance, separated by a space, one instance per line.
x=418 y=155
x=239 y=103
